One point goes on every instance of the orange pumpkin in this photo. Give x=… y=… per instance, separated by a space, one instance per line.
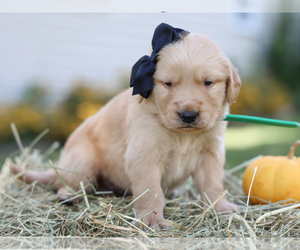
x=277 y=178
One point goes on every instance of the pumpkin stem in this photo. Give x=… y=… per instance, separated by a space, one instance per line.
x=292 y=149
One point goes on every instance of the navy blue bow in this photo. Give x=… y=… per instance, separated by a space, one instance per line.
x=142 y=71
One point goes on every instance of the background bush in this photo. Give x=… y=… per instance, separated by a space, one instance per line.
x=265 y=97
x=81 y=102
x=283 y=56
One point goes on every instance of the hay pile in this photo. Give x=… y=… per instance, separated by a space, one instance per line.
x=33 y=210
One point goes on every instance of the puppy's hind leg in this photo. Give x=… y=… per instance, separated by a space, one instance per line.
x=78 y=165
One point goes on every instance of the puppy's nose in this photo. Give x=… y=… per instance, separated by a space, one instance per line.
x=188 y=116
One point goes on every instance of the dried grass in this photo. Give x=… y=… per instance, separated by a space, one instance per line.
x=34 y=211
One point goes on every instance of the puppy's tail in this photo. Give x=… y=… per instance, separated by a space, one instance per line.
x=31 y=176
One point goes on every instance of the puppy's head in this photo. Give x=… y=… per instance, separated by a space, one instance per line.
x=194 y=84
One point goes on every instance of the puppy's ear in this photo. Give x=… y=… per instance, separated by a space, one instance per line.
x=233 y=84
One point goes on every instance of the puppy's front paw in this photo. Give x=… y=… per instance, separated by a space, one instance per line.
x=152 y=220
x=225 y=206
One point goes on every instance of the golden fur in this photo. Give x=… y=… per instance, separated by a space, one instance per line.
x=137 y=145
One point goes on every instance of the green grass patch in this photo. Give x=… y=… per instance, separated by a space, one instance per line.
x=244 y=143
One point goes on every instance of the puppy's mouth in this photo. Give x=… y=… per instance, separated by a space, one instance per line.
x=187 y=125
x=189 y=121
x=189 y=128
x=197 y=126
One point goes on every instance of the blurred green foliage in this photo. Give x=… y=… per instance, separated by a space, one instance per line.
x=82 y=101
x=29 y=120
x=36 y=94
x=266 y=96
x=33 y=114
x=284 y=54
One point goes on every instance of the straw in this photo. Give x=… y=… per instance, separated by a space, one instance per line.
x=34 y=211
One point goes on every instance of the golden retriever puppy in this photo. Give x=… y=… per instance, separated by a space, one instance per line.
x=135 y=143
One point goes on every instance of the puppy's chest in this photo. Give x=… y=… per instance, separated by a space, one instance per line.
x=180 y=160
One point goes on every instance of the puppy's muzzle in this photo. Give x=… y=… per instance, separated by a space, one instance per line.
x=188 y=116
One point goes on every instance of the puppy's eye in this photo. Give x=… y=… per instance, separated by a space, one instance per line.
x=208 y=83
x=169 y=84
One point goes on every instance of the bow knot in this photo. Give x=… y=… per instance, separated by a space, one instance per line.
x=142 y=71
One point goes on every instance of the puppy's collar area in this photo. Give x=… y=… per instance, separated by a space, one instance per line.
x=143 y=70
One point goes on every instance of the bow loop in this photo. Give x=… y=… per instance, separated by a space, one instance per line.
x=143 y=70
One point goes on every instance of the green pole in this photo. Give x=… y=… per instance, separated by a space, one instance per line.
x=260 y=120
